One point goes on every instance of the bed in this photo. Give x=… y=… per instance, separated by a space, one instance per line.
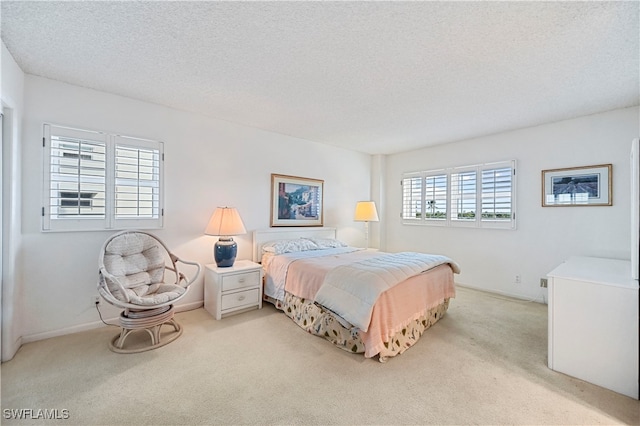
x=363 y=301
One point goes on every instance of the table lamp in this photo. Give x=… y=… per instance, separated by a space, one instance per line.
x=366 y=212
x=225 y=222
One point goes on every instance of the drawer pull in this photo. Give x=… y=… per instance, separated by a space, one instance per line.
x=241 y=280
x=241 y=297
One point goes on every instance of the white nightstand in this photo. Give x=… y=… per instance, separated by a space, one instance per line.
x=233 y=289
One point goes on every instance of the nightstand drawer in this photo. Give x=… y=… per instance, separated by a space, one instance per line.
x=249 y=279
x=241 y=298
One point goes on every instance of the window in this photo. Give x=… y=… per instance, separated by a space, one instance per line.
x=497 y=194
x=95 y=180
x=463 y=196
x=478 y=196
x=435 y=197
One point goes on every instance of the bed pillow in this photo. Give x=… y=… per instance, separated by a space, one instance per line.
x=325 y=243
x=289 y=246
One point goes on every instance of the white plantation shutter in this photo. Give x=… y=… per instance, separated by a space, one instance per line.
x=477 y=196
x=463 y=196
x=424 y=197
x=75 y=179
x=137 y=195
x=412 y=197
x=497 y=194
x=96 y=181
x=436 y=197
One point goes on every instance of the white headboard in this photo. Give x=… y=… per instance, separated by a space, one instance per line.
x=265 y=235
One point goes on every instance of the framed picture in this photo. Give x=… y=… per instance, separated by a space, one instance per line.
x=296 y=201
x=577 y=186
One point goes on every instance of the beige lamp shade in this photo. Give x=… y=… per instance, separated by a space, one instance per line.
x=224 y=222
x=366 y=212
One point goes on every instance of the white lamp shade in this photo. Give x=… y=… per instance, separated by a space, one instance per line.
x=224 y=222
x=366 y=212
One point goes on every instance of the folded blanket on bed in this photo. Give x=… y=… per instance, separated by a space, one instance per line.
x=351 y=290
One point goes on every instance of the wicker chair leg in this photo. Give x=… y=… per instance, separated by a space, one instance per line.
x=152 y=324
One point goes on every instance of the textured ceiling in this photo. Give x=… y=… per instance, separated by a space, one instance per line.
x=376 y=77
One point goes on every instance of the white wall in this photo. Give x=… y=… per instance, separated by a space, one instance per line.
x=490 y=259
x=212 y=163
x=11 y=102
x=209 y=163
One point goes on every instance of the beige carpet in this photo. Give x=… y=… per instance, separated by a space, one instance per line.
x=483 y=363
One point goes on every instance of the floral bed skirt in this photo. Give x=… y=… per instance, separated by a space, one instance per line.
x=321 y=322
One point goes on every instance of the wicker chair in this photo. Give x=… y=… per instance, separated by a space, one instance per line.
x=133 y=276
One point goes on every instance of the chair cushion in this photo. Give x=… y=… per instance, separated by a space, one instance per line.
x=138 y=260
x=157 y=294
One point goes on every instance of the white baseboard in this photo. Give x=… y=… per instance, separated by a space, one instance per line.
x=93 y=325
x=10 y=350
x=190 y=306
x=540 y=298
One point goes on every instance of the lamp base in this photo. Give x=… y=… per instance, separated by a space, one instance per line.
x=225 y=251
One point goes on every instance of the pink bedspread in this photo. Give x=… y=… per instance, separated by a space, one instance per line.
x=305 y=276
x=394 y=309
x=407 y=301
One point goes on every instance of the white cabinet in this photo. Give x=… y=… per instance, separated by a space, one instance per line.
x=593 y=323
x=232 y=289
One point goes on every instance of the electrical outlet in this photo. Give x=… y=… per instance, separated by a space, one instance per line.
x=518 y=279
x=96 y=300
x=543 y=282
